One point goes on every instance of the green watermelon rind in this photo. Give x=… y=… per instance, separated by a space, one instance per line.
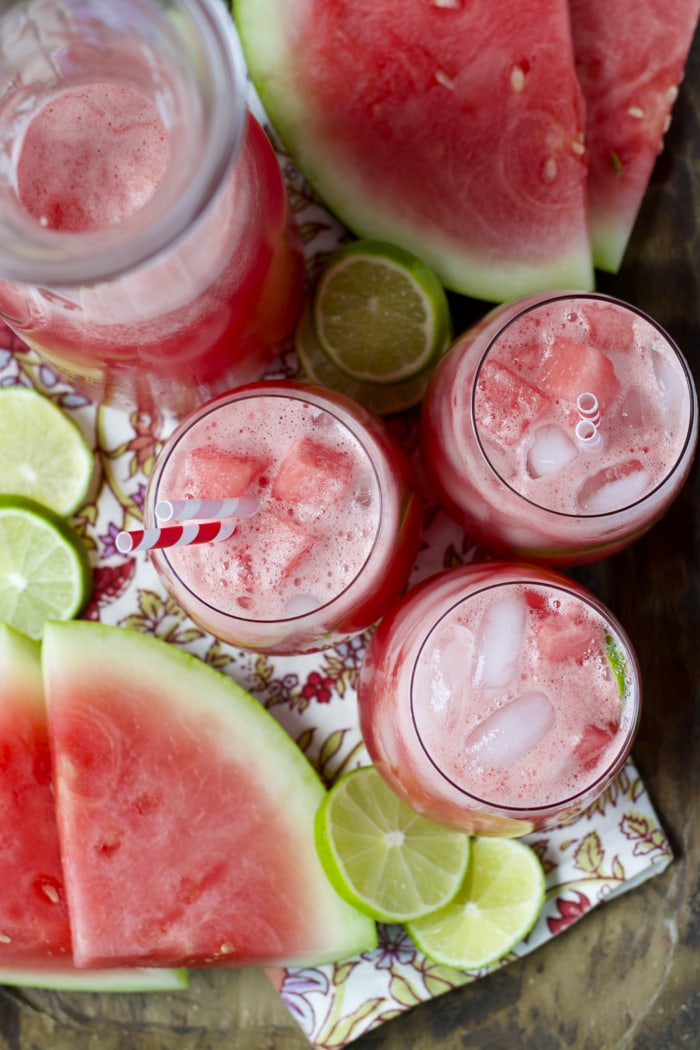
x=86 y=647
x=124 y=979
x=263 y=42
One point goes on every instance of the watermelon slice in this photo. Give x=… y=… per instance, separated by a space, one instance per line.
x=454 y=130
x=35 y=940
x=630 y=57
x=185 y=812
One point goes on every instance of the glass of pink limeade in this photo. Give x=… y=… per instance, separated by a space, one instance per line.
x=147 y=249
x=335 y=533
x=560 y=427
x=499 y=698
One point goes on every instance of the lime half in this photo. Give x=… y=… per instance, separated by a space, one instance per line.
x=496 y=907
x=378 y=398
x=380 y=314
x=43 y=453
x=44 y=567
x=381 y=856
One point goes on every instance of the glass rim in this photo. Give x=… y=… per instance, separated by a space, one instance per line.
x=254 y=391
x=65 y=259
x=530 y=307
x=632 y=702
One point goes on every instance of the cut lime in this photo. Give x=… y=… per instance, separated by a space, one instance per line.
x=495 y=908
x=381 y=856
x=43 y=453
x=384 y=400
x=380 y=314
x=44 y=567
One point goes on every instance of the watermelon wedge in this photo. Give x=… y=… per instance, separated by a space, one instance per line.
x=630 y=57
x=185 y=813
x=454 y=130
x=35 y=940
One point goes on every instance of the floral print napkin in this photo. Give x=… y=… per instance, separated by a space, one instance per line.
x=613 y=847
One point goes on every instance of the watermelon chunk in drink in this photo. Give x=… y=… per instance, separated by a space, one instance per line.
x=311 y=478
x=215 y=473
x=574 y=367
x=506 y=404
x=559 y=640
x=612 y=487
x=594 y=740
x=287 y=543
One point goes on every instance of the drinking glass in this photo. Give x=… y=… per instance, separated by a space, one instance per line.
x=560 y=427
x=499 y=698
x=327 y=531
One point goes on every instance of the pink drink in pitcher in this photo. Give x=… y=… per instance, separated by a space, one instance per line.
x=560 y=427
x=149 y=253
x=335 y=534
x=499 y=698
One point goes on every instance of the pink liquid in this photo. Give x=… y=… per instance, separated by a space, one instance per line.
x=335 y=534
x=92 y=157
x=501 y=418
x=212 y=311
x=499 y=698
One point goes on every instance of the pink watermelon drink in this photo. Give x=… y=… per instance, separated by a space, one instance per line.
x=499 y=698
x=148 y=250
x=336 y=529
x=560 y=427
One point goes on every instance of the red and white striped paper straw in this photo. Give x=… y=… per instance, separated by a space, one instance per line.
x=206 y=509
x=175 y=536
x=587 y=405
x=588 y=433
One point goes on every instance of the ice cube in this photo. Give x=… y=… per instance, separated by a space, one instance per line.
x=610 y=327
x=550 y=451
x=668 y=378
x=499 y=643
x=511 y=731
x=614 y=488
x=442 y=674
x=301 y=605
x=632 y=410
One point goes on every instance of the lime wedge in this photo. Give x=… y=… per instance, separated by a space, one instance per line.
x=44 y=568
x=618 y=665
x=378 y=398
x=380 y=314
x=495 y=908
x=382 y=856
x=43 y=453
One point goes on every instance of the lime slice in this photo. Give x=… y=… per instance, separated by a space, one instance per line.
x=378 y=398
x=382 y=856
x=43 y=453
x=380 y=314
x=44 y=568
x=495 y=908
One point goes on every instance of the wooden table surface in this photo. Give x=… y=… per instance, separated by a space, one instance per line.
x=628 y=975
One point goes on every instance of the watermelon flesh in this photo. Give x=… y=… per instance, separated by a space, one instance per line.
x=453 y=130
x=185 y=813
x=35 y=937
x=34 y=926
x=630 y=56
